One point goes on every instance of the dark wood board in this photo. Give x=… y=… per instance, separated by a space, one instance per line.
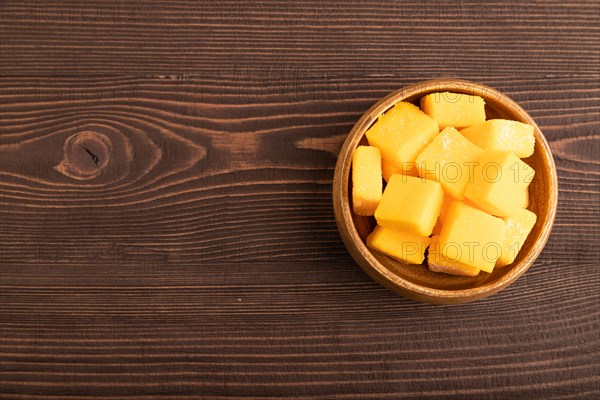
x=196 y=255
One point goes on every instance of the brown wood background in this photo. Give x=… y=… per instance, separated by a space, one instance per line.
x=203 y=260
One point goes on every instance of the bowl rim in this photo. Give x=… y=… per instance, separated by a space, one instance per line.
x=363 y=255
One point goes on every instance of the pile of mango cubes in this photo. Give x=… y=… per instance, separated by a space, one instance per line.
x=456 y=187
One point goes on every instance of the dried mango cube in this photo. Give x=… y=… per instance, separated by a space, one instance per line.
x=497 y=177
x=517 y=229
x=449 y=159
x=438 y=263
x=445 y=206
x=402 y=245
x=402 y=133
x=471 y=237
x=437 y=228
x=524 y=197
x=504 y=135
x=454 y=109
x=388 y=169
x=367 y=186
x=410 y=204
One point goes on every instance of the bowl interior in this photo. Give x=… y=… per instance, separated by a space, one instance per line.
x=407 y=277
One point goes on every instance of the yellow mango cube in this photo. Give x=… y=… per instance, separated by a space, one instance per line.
x=437 y=228
x=402 y=245
x=449 y=159
x=516 y=231
x=471 y=237
x=503 y=135
x=401 y=133
x=498 y=178
x=438 y=263
x=524 y=197
x=388 y=169
x=367 y=186
x=454 y=109
x=445 y=206
x=410 y=204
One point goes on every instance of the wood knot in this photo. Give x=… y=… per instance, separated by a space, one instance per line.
x=85 y=155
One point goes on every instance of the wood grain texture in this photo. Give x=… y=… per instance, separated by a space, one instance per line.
x=166 y=226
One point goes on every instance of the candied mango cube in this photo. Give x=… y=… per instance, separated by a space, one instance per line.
x=438 y=263
x=524 y=197
x=367 y=186
x=402 y=133
x=402 y=245
x=388 y=169
x=517 y=229
x=454 y=109
x=449 y=159
x=471 y=237
x=503 y=135
x=437 y=228
x=498 y=178
x=410 y=204
x=445 y=206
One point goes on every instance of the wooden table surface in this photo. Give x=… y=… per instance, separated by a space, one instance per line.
x=166 y=216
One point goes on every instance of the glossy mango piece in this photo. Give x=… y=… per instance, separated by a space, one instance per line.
x=410 y=204
x=367 y=186
x=449 y=159
x=503 y=135
x=471 y=237
x=458 y=110
x=399 y=244
x=499 y=179
x=388 y=169
x=401 y=133
x=517 y=228
x=438 y=263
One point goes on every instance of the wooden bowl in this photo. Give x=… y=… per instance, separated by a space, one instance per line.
x=416 y=281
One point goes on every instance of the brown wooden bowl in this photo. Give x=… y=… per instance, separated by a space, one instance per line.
x=416 y=281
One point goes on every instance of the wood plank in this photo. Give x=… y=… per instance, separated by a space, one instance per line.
x=384 y=37
x=231 y=183
x=166 y=226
